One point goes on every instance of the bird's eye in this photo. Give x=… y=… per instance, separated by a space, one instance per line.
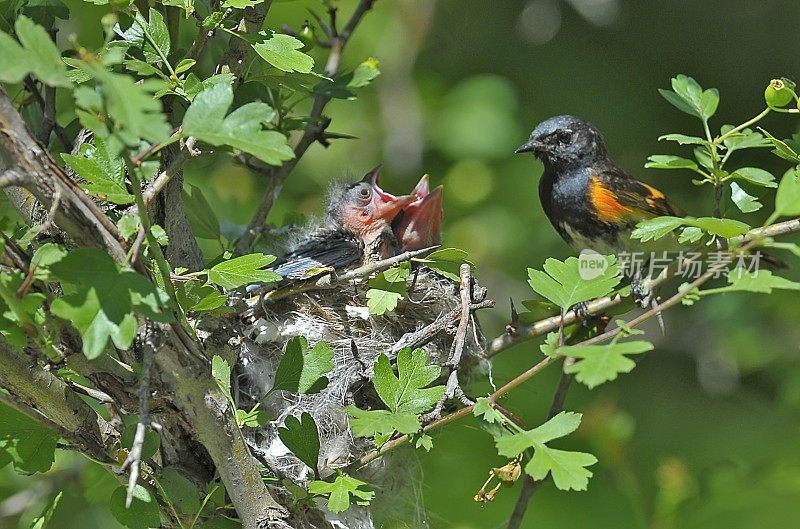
x=565 y=137
x=364 y=193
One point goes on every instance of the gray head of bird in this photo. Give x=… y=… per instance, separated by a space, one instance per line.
x=565 y=140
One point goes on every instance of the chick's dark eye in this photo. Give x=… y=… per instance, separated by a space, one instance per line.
x=565 y=137
x=364 y=193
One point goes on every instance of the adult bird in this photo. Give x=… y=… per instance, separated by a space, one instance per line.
x=419 y=224
x=357 y=229
x=590 y=201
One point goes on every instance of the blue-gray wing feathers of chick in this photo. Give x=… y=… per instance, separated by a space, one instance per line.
x=324 y=248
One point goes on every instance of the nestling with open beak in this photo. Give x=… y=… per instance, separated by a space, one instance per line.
x=419 y=224
x=357 y=229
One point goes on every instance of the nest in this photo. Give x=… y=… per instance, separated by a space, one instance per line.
x=426 y=317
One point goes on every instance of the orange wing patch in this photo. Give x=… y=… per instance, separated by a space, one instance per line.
x=606 y=203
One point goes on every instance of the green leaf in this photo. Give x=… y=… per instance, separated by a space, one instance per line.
x=243 y=270
x=134 y=36
x=404 y=392
x=143 y=512
x=302 y=438
x=106 y=295
x=782 y=149
x=567 y=468
x=204 y=223
x=281 y=51
x=184 y=65
x=194 y=296
x=666 y=161
x=563 y=284
x=179 y=491
x=745 y=202
x=723 y=227
x=689 y=97
x=43 y=520
x=690 y=234
x=242 y=129
x=341 y=490
x=221 y=371
x=756 y=176
x=550 y=345
x=744 y=139
x=302 y=371
x=488 y=413
x=600 y=363
x=104 y=171
x=240 y=4
x=253 y=419
x=761 y=281
x=656 y=228
x=787 y=199
x=446 y=262
x=342 y=84
x=37 y=55
x=29 y=445
x=683 y=139
x=387 y=288
x=371 y=423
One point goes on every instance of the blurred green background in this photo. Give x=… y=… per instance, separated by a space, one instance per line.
x=704 y=433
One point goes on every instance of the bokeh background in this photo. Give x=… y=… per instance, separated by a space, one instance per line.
x=704 y=433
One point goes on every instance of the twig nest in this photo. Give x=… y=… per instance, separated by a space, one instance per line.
x=340 y=317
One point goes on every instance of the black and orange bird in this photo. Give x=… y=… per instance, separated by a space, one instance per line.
x=419 y=224
x=592 y=202
x=357 y=229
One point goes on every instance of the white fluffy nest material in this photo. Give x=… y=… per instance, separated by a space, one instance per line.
x=340 y=317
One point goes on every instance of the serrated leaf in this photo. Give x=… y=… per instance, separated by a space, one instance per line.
x=562 y=424
x=340 y=491
x=29 y=445
x=550 y=345
x=666 y=161
x=179 y=491
x=342 y=84
x=221 y=371
x=134 y=36
x=688 y=96
x=690 y=234
x=194 y=296
x=302 y=370
x=447 y=262
x=600 y=363
x=37 y=54
x=683 y=139
x=302 y=438
x=656 y=228
x=242 y=129
x=253 y=419
x=744 y=139
x=761 y=281
x=143 y=512
x=281 y=51
x=567 y=468
x=240 y=4
x=723 y=227
x=371 y=423
x=486 y=412
x=406 y=392
x=782 y=149
x=756 y=176
x=243 y=270
x=745 y=202
x=787 y=199
x=387 y=288
x=561 y=281
x=104 y=171
x=106 y=295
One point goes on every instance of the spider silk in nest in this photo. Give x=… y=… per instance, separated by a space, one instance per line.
x=359 y=216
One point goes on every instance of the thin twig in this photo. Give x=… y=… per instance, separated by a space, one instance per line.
x=329 y=281
x=158 y=183
x=134 y=459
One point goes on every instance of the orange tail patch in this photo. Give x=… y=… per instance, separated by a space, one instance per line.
x=606 y=203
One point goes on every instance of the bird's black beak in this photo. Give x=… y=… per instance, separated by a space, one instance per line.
x=533 y=146
x=372 y=177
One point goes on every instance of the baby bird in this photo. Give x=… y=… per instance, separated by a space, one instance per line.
x=419 y=224
x=357 y=230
